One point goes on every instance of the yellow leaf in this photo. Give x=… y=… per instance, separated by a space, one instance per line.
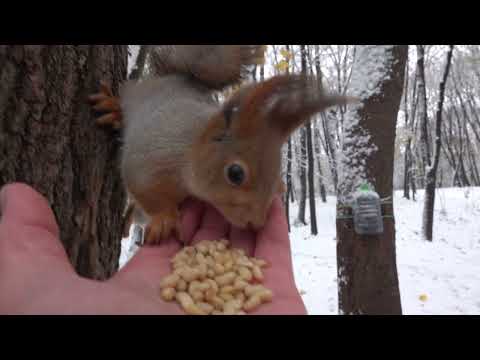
x=423 y=297
x=287 y=55
x=282 y=65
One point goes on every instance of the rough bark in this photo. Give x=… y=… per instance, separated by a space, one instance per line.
x=367 y=269
x=49 y=140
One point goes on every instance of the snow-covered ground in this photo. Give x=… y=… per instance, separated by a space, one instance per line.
x=446 y=272
x=442 y=277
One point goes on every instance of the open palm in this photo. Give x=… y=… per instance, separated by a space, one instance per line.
x=36 y=276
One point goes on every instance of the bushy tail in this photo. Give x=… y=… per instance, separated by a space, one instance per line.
x=215 y=66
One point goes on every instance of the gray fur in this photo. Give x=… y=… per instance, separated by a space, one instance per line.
x=162 y=118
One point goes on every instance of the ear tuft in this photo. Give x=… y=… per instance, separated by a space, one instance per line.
x=287 y=101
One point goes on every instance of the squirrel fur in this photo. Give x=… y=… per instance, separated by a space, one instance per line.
x=179 y=142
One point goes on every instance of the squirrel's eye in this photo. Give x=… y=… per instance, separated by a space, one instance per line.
x=235 y=174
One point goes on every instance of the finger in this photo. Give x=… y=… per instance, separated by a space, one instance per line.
x=212 y=227
x=191 y=217
x=23 y=206
x=273 y=243
x=243 y=239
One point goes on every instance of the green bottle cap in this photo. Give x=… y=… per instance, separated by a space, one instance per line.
x=365 y=188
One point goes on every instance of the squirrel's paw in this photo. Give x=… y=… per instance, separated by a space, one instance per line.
x=105 y=102
x=161 y=227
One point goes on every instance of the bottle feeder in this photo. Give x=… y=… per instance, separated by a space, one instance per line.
x=367 y=212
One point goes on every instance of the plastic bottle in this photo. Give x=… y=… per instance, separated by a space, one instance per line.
x=367 y=212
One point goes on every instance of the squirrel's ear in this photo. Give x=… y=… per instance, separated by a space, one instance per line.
x=286 y=102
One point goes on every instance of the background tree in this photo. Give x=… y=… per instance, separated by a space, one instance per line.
x=367 y=270
x=49 y=140
x=431 y=174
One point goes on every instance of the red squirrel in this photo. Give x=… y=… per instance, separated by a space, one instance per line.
x=179 y=142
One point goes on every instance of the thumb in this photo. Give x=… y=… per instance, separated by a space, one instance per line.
x=20 y=205
x=28 y=226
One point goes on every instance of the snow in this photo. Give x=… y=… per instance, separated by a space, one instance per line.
x=445 y=272
x=371 y=69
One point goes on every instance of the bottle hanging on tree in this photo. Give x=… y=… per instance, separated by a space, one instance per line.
x=367 y=212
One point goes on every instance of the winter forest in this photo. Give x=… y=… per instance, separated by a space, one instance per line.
x=409 y=141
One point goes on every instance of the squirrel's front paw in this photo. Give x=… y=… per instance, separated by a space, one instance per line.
x=106 y=102
x=161 y=227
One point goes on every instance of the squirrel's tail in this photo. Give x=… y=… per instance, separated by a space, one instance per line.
x=215 y=66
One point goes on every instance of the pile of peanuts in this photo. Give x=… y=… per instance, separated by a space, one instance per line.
x=210 y=278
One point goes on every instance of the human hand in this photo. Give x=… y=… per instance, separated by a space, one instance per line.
x=36 y=276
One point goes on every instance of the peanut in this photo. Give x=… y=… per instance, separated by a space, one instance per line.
x=190 y=274
x=181 y=285
x=245 y=274
x=169 y=281
x=212 y=279
x=213 y=285
x=260 y=263
x=226 y=279
x=226 y=297
x=206 y=307
x=228 y=265
x=240 y=284
x=240 y=297
x=228 y=289
x=219 y=269
x=257 y=273
x=232 y=306
x=168 y=294
x=217 y=302
x=251 y=304
x=250 y=290
x=188 y=305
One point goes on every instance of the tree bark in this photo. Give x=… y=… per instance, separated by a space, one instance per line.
x=310 y=158
x=431 y=177
x=302 y=173
x=423 y=117
x=49 y=140
x=311 y=182
x=321 y=184
x=367 y=269
x=407 y=164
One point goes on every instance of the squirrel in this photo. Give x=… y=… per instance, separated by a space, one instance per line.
x=178 y=142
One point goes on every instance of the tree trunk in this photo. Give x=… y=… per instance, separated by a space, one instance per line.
x=303 y=177
x=407 y=163
x=431 y=178
x=49 y=140
x=303 y=160
x=423 y=117
x=321 y=184
x=367 y=269
x=311 y=182
x=311 y=159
